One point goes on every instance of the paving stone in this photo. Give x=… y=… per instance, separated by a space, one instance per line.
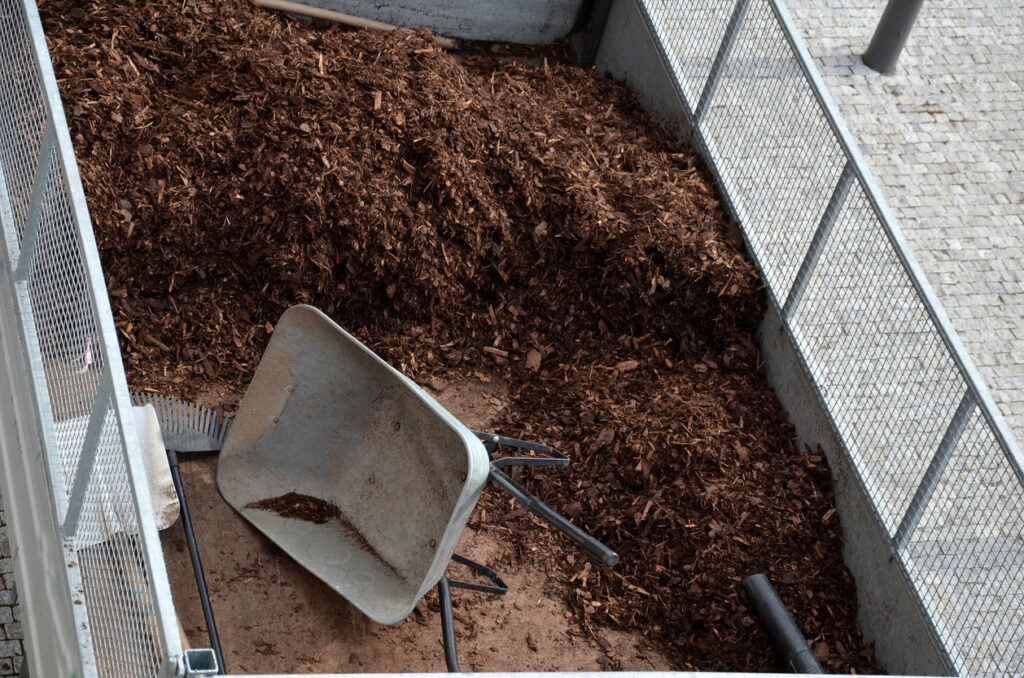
x=960 y=83
x=11 y=633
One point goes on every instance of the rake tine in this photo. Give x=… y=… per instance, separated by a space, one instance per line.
x=186 y=427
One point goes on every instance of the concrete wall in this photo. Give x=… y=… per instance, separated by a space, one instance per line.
x=525 y=21
x=627 y=53
x=887 y=613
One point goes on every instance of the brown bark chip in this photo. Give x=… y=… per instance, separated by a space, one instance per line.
x=299 y=507
x=472 y=218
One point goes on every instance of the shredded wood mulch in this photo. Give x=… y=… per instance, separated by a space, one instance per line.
x=466 y=216
x=299 y=507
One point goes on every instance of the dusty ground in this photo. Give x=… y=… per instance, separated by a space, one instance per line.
x=273 y=616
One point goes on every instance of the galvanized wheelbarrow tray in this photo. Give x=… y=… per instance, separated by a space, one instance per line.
x=325 y=417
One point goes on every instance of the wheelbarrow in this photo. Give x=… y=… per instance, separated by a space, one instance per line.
x=327 y=420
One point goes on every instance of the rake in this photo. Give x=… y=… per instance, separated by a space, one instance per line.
x=188 y=428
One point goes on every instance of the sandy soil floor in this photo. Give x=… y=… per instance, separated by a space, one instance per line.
x=274 y=616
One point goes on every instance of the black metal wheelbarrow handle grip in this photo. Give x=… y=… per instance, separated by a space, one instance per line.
x=539 y=508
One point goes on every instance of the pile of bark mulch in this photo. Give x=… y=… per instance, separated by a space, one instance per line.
x=466 y=216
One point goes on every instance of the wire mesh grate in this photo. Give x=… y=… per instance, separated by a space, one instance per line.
x=125 y=628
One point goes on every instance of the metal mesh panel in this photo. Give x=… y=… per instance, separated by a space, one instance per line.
x=111 y=540
x=20 y=107
x=927 y=444
x=967 y=555
x=872 y=348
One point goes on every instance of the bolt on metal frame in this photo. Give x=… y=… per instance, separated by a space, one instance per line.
x=933 y=455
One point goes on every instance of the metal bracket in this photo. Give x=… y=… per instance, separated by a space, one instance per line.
x=718 y=65
x=821 y=234
x=935 y=469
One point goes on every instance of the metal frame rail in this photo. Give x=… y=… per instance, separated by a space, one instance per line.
x=933 y=455
x=90 y=571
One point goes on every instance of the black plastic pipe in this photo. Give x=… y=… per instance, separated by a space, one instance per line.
x=197 y=565
x=785 y=636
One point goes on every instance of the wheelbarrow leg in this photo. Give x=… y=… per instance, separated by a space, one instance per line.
x=444 y=594
x=451 y=653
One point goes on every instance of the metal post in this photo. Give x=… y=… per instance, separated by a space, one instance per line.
x=30 y=231
x=821 y=234
x=934 y=472
x=891 y=34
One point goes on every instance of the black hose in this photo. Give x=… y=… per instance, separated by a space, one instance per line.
x=785 y=636
x=197 y=565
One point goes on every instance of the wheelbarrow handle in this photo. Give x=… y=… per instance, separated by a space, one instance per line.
x=492 y=440
x=539 y=508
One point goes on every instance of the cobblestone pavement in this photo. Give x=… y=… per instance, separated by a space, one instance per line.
x=10 y=613
x=944 y=136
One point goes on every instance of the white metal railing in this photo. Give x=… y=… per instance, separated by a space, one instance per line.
x=933 y=455
x=91 y=576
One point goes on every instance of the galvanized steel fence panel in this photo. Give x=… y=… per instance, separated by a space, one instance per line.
x=931 y=451
x=97 y=482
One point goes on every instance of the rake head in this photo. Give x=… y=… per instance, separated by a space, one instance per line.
x=185 y=426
